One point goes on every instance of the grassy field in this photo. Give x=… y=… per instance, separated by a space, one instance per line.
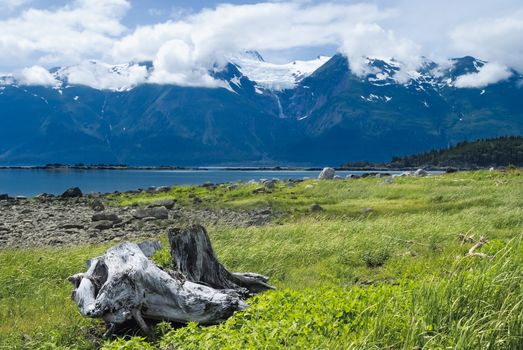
x=382 y=266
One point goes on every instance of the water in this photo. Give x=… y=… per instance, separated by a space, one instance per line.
x=30 y=182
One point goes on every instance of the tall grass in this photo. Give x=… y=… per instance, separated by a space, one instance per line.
x=391 y=277
x=476 y=305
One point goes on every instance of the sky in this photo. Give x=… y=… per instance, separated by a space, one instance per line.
x=184 y=39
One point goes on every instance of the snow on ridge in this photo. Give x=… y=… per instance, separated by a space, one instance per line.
x=277 y=76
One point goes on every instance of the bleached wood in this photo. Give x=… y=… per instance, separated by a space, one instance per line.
x=124 y=284
x=194 y=257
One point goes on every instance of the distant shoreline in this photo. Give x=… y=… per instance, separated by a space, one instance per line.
x=219 y=168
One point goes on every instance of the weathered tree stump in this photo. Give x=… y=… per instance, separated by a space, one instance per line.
x=124 y=284
x=194 y=257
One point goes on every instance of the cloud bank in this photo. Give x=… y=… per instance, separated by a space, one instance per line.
x=490 y=73
x=183 y=50
x=493 y=39
x=37 y=75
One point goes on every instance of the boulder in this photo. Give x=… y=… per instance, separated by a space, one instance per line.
x=270 y=184
x=106 y=217
x=44 y=196
x=167 y=203
x=162 y=189
x=72 y=226
x=73 y=192
x=102 y=225
x=327 y=174
x=156 y=212
x=315 y=207
x=97 y=205
x=421 y=172
x=259 y=190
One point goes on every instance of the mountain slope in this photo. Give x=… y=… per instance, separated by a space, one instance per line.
x=327 y=116
x=374 y=119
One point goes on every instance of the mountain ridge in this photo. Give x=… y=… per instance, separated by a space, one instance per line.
x=327 y=117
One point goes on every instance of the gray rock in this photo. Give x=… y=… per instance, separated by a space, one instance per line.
x=421 y=172
x=167 y=203
x=97 y=205
x=73 y=192
x=162 y=189
x=315 y=207
x=327 y=174
x=259 y=190
x=337 y=177
x=44 y=196
x=106 y=217
x=102 y=225
x=270 y=184
x=157 y=213
x=72 y=226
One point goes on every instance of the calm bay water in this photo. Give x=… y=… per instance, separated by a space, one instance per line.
x=30 y=182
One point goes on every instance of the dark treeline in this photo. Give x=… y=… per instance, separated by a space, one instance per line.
x=502 y=151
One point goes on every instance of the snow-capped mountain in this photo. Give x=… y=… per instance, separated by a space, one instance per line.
x=262 y=113
x=124 y=77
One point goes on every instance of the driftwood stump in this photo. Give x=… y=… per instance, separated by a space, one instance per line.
x=194 y=258
x=124 y=284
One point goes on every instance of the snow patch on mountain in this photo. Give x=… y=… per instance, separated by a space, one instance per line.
x=277 y=76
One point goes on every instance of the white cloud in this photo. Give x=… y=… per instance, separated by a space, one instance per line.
x=103 y=76
x=182 y=49
x=36 y=75
x=175 y=64
x=497 y=39
x=490 y=73
x=12 y=4
x=83 y=29
x=370 y=40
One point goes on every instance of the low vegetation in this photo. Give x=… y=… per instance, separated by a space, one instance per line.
x=384 y=264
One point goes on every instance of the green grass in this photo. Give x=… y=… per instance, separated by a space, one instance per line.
x=392 y=277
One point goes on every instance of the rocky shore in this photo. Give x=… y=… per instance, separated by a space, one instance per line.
x=73 y=219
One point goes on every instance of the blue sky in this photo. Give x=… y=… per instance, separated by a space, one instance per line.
x=182 y=39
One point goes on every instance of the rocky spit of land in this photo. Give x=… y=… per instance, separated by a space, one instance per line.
x=76 y=219
x=73 y=218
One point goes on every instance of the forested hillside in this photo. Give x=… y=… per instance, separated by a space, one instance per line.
x=502 y=151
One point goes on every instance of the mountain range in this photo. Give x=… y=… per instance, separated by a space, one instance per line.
x=303 y=113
